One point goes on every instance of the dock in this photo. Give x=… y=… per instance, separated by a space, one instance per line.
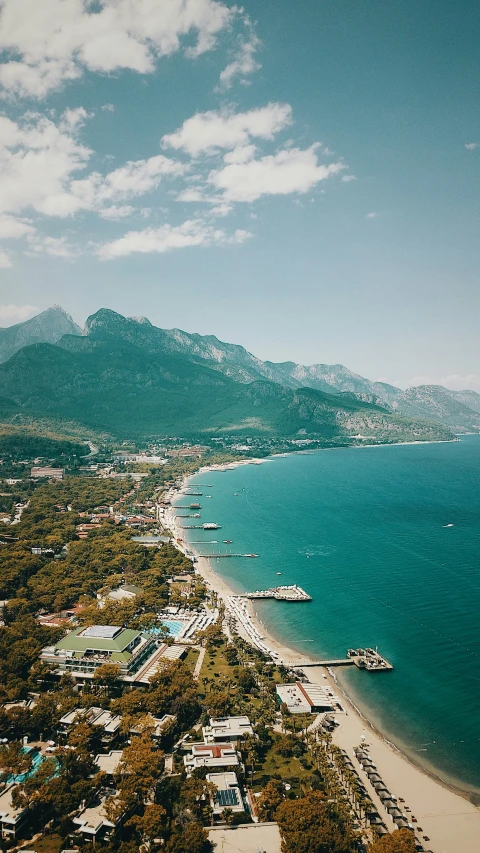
x=369 y=659
x=223 y=556
x=281 y=593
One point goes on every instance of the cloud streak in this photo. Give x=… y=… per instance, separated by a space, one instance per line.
x=168 y=237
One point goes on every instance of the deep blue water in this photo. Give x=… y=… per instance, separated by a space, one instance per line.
x=383 y=569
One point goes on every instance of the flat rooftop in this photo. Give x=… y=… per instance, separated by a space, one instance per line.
x=229 y=727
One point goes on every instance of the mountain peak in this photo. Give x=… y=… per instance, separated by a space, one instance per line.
x=47 y=327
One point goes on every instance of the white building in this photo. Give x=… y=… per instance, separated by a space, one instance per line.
x=229 y=729
x=228 y=794
x=211 y=755
x=12 y=820
x=306 y=698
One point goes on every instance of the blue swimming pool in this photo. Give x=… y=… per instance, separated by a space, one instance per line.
x=37 y=759
x=174 y=626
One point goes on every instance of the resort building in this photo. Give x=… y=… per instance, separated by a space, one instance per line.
x=154 y=725
x=229 y=729
x=306 y=698
x=53 y=473
x=109 y=763
x=97 y=717
x=228 y=794
x=92 y=823
x=211 y=755
x=12 y=820
x=82 y=651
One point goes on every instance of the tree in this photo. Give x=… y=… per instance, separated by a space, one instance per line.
x=312 y=824
x=107 y=675
x=400 y=841
x=269 y=800
x=150 y=825
x=15 y=759
x=191 y=838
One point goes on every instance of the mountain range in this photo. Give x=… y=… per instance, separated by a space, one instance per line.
x=126 y=376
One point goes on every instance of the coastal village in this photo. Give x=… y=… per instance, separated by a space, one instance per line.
x=143 y=705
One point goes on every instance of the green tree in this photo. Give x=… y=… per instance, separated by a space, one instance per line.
x=400 y=841
x=312 y=824
x=269 y=800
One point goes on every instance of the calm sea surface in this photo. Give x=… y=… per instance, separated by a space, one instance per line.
x=368 y=533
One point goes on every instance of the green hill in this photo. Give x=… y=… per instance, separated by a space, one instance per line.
x=119 y=378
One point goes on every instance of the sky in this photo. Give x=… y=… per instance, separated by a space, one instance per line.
x=300 y=178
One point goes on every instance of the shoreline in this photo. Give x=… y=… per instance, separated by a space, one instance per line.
x=446 y=812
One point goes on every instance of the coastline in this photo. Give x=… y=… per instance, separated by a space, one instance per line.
x=446 y=813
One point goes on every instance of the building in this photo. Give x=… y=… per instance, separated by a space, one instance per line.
x=83 y=650
x=92 y=823
x=228 y=794
x=47 y=471
x=227 y=729
x=211 y=755
x=12 y=820
x=109 y=763
x=154 y=725
x=306 y=698
x=108 y=723
x=126 y=592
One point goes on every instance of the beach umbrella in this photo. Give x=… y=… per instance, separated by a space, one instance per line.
x=374 y=777
x=400 y=821
x=380 y=786
x=382 y=830
x=394 y=812
x=384 y=796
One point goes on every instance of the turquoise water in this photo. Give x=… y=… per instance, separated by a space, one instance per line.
x=365 y=532
x=37 y=759
x=174 y=627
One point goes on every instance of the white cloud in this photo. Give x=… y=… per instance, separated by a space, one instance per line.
x=5 y=261
x=56 y=247
x=11 y=314
x=289 y=171
x=348 y=178
x=117 y=211
x=241 y=154
x=193 y=232
x=135 y=178
x=472 y=146
x=108 y=108
x=12 y=228
x=73 y=118
x=39 y=161
x=372 y=215
x=51 y=41
x=208 y=132
x=244 y=62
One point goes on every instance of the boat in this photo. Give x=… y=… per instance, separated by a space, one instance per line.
x=208 y=496
x=278 y=573
x=227 y=541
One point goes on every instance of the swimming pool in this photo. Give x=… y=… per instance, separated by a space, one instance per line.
x=37 y=759
x=173 y=626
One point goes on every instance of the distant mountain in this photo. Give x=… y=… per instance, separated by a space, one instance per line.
x=125 y=376
x=47 y=327
x=468 y=398
x=439 y=405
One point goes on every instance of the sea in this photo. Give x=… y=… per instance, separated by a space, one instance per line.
x=386 y=540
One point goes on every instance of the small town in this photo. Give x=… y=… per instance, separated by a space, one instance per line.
x=141 y=711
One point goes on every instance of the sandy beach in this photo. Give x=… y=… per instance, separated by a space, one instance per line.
x=447 y=818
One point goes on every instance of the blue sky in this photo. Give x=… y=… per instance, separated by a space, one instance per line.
x=301 y=178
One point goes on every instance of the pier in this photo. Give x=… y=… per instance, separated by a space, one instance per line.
x=222 y=556
x=281 y=593
x=369 y=659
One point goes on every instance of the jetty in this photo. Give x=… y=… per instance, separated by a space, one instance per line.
x=223 y=556
x=369 y=659
x=206 y=526
x=281 y=593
